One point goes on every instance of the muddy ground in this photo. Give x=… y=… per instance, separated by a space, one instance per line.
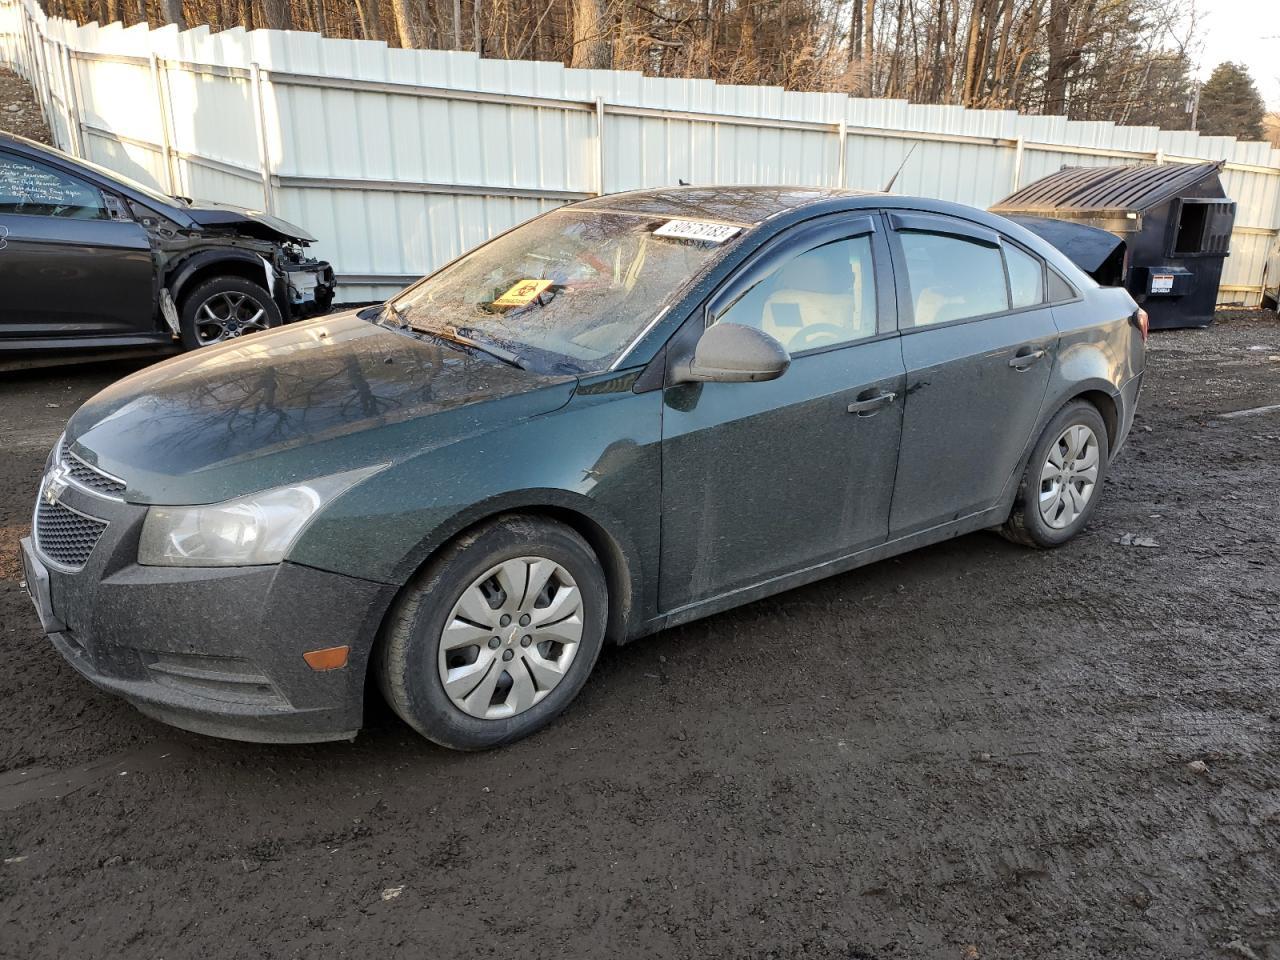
x=972 y=751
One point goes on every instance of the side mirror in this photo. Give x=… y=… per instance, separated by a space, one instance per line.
x=732 y=353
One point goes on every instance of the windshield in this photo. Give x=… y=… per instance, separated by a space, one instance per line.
x=576 y=285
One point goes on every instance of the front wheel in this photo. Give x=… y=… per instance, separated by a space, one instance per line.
x=496 y=635
x=225 y=308
x=1063 y=479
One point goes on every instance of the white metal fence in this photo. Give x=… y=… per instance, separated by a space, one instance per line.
x=398 y=160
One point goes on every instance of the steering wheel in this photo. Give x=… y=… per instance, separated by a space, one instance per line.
x=816 y=335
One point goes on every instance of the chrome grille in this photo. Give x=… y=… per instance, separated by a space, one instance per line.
x=88 y=476
x=64 y=536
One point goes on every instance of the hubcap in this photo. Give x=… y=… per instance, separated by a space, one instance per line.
x=510 y=638
x=1068 y=477
x=227 y=315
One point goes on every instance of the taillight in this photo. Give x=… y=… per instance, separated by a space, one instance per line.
x=1142 y=322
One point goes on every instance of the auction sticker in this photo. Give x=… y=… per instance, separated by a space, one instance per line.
x=521 y=293
x=693 y=230
x=1162 y=283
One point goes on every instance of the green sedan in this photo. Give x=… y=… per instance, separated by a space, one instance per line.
x=625 y=414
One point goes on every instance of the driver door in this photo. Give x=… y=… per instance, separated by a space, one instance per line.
x=764 y=479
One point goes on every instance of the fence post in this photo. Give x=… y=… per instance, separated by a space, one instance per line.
x=1018 y=149
x=41 y=80
x=166 y=135
x=842 y=163
x=73 y=101
x=264 y=152
x=600 y=113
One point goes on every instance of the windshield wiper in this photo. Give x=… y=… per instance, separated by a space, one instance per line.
x=454 y=334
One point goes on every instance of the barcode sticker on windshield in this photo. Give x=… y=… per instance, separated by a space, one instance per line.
x=522 y=293
x=693 y=230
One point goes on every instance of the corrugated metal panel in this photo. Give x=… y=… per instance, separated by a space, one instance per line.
x=1112 y=189
x=403 y=159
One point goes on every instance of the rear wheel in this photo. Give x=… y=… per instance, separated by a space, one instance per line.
x=497 y=635
x=1063 y=479
x=225 y=308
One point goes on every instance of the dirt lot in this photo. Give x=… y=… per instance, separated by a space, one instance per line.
x=972 y=751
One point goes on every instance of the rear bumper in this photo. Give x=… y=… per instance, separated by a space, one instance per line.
x=215 y=651
x=1128 y=405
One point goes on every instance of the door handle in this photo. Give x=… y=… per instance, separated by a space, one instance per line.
x=1025 y=358
x=869 y=406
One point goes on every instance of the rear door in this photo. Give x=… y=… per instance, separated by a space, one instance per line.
x=979 y=343
x=73 y=263
x=762 y=479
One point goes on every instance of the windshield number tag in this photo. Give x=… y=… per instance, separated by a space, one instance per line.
x=522 y=293
x=693 y=230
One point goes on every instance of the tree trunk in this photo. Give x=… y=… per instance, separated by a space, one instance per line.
x=370 y=19
x=476 y=42
x=855 y=30
x=279 y=15
x=869 y=48
x=409 y=26
x=1055 y=81
x=591 y=47
x=171 y=12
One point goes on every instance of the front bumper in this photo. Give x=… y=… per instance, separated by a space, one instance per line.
x=213 y=650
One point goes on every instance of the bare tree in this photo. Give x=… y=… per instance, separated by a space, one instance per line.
x=591 y=47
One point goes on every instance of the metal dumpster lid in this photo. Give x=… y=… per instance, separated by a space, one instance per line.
x=1131 y=188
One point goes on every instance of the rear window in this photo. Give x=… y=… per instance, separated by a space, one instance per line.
x=1026 y=277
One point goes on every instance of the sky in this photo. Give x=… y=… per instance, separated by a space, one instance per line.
x=1247 y=31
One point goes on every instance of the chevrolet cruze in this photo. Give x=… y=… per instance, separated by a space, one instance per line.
x=622 y=415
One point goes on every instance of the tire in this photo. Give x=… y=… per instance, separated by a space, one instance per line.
x=415 y=658
x=1029 y=523
x=232 y=304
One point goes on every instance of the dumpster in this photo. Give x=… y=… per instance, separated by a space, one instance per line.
x=1161 y=231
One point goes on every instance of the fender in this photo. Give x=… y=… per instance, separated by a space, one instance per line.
x=1060 y=391
x=188 y=267
x=620 y=558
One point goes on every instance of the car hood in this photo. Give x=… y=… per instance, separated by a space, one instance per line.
x=253 y=223
x=300 y=402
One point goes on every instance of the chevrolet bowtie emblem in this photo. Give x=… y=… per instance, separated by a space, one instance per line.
x=55 y=483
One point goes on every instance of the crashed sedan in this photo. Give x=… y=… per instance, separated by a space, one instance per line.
x=93 y=262
x=625 y=414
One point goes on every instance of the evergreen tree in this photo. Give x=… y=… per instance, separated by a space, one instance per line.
x=1230 y=105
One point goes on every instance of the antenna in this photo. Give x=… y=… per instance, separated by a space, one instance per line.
x=892 y=180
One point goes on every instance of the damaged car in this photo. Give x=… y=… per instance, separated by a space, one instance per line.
x=626 y=414
x=93 y=262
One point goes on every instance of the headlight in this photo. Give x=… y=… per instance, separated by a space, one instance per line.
x=248 y=531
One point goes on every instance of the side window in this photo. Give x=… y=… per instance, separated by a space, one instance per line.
x=1026 y=277
x=952 y=278
x=34 y=189
x=821 y=298
x=1059 y=289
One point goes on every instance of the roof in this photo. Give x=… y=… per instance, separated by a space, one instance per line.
x=1131 y=188
x=736 y=204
